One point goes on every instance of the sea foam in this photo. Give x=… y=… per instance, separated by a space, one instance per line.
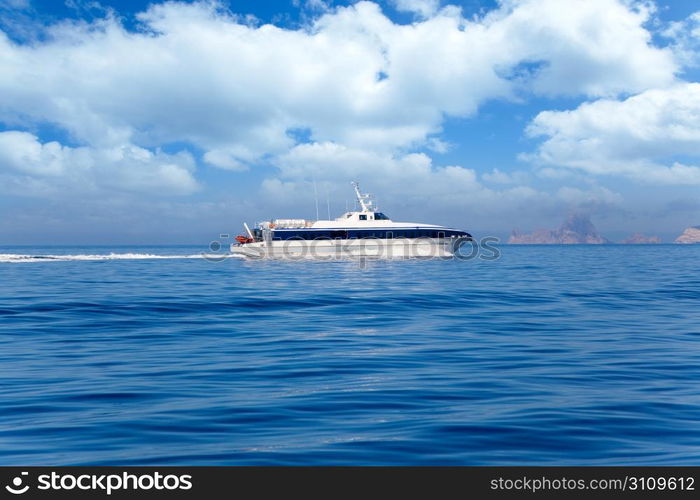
x=19 y=258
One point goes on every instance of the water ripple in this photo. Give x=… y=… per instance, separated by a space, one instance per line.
x=551 y=355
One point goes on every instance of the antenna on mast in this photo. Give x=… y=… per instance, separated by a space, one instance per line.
x=316 y=199
x=365 y=200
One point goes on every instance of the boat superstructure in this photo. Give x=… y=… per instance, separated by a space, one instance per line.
x=364 y=232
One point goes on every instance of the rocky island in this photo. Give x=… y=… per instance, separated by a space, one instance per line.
x=640 y=239
x=690 y=235
x=577 y=229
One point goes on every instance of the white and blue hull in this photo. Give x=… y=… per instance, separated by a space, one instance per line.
x=400 y=248
x=365 y=233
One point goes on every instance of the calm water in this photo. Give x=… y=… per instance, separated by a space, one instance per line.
x=550 y=355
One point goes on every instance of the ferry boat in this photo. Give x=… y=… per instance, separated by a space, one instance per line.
x=366 y=232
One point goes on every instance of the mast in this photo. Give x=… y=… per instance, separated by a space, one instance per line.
x=247 y=229
x=365 y=200
x=316 y=199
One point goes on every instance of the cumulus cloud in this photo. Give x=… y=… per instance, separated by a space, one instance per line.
x=596 y=48
x=409 y=183
x=317 y=5
x=497 y=176
x=590 y=199
x=648 y=137
x=196 y=73
x=394 y=175
x=335 y=162
x=350 y=94
x=16 y=4
x=685 y=39
x=30 y=166
x=422 y=8
x=225 y=159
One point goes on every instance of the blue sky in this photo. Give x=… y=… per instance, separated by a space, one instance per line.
x=171 y=122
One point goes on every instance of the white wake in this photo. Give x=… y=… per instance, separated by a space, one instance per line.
x=18 y=258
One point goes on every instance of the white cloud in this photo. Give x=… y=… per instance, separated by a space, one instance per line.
x=404 y=180
x=438 y=145
x=335 y=163
x=225 y=159
x=594 y=197
x=642 y=137
x=409 y=183
x=30 y=167
x=497 y=176
x=685 y=38
x=16 y=4
x=364 y=91
x=422 y=8
x=317 y=5
x=197 y=74
x=596 y=47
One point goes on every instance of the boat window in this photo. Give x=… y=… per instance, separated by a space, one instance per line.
x=380 y=216
x=363 y=217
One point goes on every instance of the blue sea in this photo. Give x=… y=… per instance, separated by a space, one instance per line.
x=550 y=355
